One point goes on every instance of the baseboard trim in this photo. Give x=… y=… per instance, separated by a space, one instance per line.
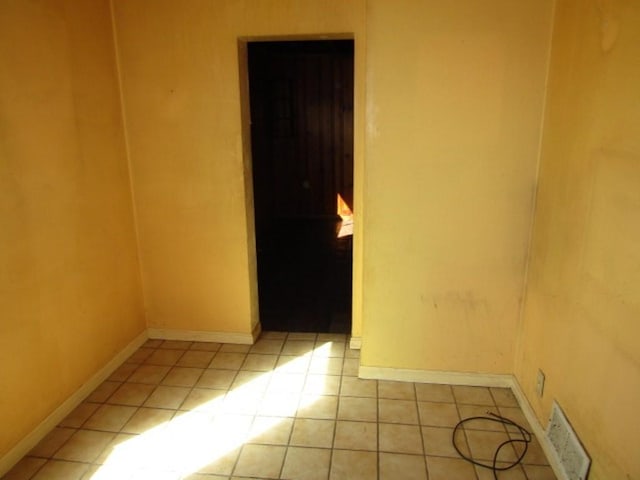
x=202 y=336
x=25 y=445
x=355 y=343
x=538 y=430
x=255 y=333
x=435 y=376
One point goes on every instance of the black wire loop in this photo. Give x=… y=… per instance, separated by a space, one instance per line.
x=526 y=439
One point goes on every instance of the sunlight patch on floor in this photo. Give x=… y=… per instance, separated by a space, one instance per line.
x=206 y=438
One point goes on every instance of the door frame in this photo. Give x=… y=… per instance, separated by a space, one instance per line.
x=358 y=166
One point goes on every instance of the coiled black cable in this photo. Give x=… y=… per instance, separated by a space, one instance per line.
x=526 y=439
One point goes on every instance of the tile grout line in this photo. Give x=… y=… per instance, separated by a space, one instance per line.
x=424 y=450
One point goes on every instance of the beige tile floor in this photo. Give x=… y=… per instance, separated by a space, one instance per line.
x=289 y=407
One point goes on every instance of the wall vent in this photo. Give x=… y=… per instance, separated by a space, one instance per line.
x=569 y=452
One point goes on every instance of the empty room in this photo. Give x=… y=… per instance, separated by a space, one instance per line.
x=319 y=239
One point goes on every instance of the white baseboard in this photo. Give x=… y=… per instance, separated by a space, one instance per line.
x=435 y=376
x=25 y=445
x=538 y=430
x=202 y=336
x=355 y=343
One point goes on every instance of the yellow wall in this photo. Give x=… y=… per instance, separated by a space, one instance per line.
x=191 y=177
x=454 y=99
x=583 y=298
x=69 y=286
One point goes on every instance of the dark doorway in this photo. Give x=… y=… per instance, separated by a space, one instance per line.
x=301 y=96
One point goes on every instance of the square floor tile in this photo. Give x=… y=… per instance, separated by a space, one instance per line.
x=329 y=349
x=113 y=451
x=271 y=335
x=432 y=392
x=241 y=401
x=535 y=454
x=109 y=418
x=279 y=404
x=438 y=414
x=309 y=432
x=486 y=422
x=61 y=470
x=332 y=337
x=407 y=467
x=266 y=345
x=400 y=438
x=259 y=362
x=306 y=463
x=358 y=408
x=357 y=387
x=515 y=415
x=260 y=461
x=221 y=463
x=309 y=336
x=196 y=359
x=131 y=394
x=286 y=382
x=350 y=367
x=297 y=347
x=165 y=396
x=227 y=360
x=25 y=468
x=353 y=465
x=504 y=397
x=234 y=348
x=318 y=406
x=164 y=357
x=539 y=472
x=84 y=446
x=249 y=381
x=204 y=400
x=473 y=395
x=356 y=435
x=352 y=353
x=183 y=376
x=397 y=411
x=322 y=384
x=232 y=429
x=140 y=355
x=175 y=344
x=326 y=365
x=103 y=392
x=293 y=364
x=146 y=419
x=52 y=442
x=271 y=430
x=149 y=374
x=212 y=378
x=396 y=390
x=79 y=415
x=441 y=468
x=123 y=372
x=484 y=444
x=515 y=473
x=205 y=346
x=439 y=441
